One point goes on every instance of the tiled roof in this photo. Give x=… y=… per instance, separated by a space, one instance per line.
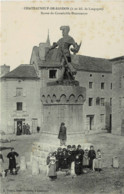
x=22 y=71
x=80 y=62
x=86 y=63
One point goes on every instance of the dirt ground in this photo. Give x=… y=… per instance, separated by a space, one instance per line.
x=109 y=181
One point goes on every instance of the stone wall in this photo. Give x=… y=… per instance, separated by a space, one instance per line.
x=118 y=98
x=63 y=104
x=96 y=92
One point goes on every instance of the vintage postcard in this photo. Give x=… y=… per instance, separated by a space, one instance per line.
x=62 y=97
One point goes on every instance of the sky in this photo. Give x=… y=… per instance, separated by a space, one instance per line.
x=101 y=32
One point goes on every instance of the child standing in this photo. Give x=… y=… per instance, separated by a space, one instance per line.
x=92 y=156
x=52 y=168
x=85 y=159
x=78 y=165
x=97 y=163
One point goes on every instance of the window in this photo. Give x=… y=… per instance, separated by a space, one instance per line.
x=110 y=101
x=120 y=82
x=19 y=91
x=19 y=106
x=52 y=74
x=102 y=118
x=97 y=101
x=102 y=101
x=102 y=85
x=111 y=86
x=90 y=84
x=90 y=101
x=90 y=121
x=90 y=75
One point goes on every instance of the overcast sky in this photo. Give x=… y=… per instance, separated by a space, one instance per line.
x=101 y=32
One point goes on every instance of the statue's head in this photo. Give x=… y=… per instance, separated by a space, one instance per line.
x=65 y=30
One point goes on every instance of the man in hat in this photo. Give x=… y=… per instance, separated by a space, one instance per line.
x=62 y=134
x=12 y=160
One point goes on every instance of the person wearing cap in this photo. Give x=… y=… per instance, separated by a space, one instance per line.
x=12 y=160
x=59 y=158
x=80 y=152
x=64 y=160
x=74 y=152
x=62 y=134
x=69 y=159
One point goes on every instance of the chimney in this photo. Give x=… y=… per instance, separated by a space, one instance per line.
x=4 y=69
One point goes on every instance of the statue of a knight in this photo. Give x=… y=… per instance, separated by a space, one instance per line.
x=63 y=52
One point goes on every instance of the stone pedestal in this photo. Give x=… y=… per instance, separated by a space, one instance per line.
x=39 y=155
x=35 y=167
x=62 y=103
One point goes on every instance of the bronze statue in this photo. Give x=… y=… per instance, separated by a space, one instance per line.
x=63 y=52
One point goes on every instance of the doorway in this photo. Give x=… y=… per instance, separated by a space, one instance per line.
x=18 y=126
x=90 y=122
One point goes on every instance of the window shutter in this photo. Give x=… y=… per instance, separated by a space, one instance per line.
x=24 y=106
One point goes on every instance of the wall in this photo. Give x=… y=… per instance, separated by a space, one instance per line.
x=84 y=78
x=44 y=75
x=118 y=98
x=63 y=104
x=31 y=103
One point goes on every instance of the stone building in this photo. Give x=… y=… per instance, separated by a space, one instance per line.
x=20 y=99
x=118 y=96
x=95 y=74
x=28 y=94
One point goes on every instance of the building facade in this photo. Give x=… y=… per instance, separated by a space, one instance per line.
x=21 y=100
x=118 y=96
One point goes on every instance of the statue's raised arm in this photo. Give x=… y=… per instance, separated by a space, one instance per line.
x=64 y=54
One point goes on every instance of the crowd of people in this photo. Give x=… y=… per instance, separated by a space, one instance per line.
x=23 y=129
x=73 y=161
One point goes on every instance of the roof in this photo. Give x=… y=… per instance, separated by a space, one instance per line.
x=80 y=62
x=117 y=58
x=86 y=63
x=22 y=71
